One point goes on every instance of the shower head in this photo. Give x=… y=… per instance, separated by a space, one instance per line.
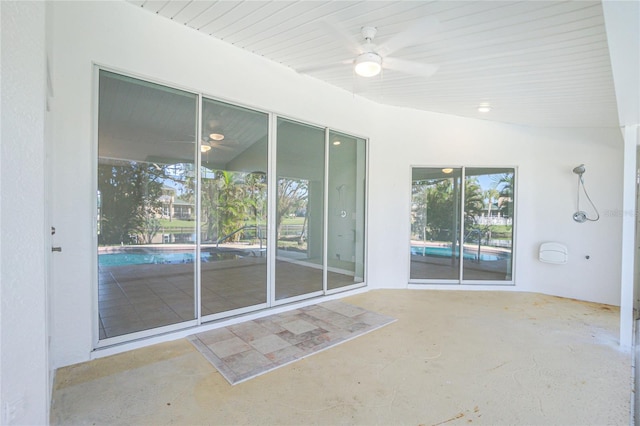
x=579 y=170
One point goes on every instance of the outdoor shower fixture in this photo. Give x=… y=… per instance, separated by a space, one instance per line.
x=579 y=170
x=581 y=216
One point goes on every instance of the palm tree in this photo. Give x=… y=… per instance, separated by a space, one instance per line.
x=209 y=204
x=434 y=201
x=505 y=186
x=231 y=203
x=256 y=198
x=473 y=203
x=491 y=195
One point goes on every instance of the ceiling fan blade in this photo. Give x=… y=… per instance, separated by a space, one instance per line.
x=176 y=141
x=414 y=35
x=410 y=67
x=223 y=147
x=351 y=43
x=324 y=67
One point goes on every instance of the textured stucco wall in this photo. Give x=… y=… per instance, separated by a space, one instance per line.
x=24 y=365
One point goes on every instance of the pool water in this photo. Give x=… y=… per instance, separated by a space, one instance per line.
x=122 y=259
x=446 y=252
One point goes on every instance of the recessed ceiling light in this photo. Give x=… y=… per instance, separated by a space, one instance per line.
x=484 y=108
x=336 y=143
x=447 y=170
x=216 y=136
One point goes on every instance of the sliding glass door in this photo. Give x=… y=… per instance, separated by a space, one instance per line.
x=187 y=187
x=435 y=223
x=488 y=238
x=300 y=209
x=462 y=225
x=345 y=213
x=146 y=227
x=233 y=208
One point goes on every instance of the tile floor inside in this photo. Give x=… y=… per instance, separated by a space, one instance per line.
x=139 y=297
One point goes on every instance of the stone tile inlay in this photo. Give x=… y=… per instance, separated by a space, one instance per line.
x=243 y=351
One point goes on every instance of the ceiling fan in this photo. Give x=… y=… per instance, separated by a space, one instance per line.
x=213 y=136
x=215 y=140
x=212 y=140
x=371 y=59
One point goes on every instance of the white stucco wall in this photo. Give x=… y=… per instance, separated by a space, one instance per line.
x=24 y=388
x=125 y=37
x=546 y=196
x=122 y=36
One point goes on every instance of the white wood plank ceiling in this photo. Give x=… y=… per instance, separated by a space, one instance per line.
x=540 y=63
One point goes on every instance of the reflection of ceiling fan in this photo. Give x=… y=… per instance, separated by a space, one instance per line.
x=214 y=134
x=370 y=59
x=212 y=140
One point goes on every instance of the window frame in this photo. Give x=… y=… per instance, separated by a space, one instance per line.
x=460 y=281
x=272 y=117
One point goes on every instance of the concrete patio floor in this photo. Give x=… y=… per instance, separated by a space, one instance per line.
x=452 y=357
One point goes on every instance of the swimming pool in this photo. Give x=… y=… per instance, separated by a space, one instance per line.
x=446 y=252
x=160 y=257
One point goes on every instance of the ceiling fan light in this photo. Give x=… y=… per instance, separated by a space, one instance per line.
x=205 y=148
x=368 y=64
x=216 y=136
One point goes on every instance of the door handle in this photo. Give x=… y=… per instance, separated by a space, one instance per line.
x=56 y=249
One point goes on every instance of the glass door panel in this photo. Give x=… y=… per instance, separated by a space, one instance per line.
x=233 y=202
x=146 y=227
x=488 y=230
x=435 y=223
x=346 y=201
x=299 y=210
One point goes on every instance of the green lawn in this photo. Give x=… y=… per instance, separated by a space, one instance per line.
x=292 y=220
x=177 y=224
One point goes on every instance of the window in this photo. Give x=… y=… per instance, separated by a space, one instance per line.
x=462 y=225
